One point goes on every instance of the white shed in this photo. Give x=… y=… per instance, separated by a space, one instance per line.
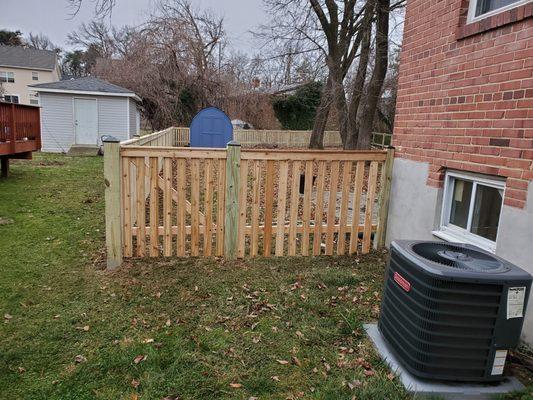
x=78 y=112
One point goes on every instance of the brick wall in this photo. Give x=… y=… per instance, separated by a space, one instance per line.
x=465 y=98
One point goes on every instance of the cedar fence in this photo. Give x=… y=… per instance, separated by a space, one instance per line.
x=237 y=202
x=175 y=136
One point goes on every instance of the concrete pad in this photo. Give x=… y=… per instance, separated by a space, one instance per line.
x=422 y=388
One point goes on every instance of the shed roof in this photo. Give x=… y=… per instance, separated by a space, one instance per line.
x=16 y=56
x=85 y=85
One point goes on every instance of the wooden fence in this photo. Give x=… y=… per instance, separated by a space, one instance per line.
x=175 y=201
x=174 y=136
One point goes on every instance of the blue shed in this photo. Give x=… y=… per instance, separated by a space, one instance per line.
x=211 y=127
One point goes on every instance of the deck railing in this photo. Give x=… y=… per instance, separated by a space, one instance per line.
x=20 y=128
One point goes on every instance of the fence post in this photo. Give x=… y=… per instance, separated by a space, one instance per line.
x=233 y=161
x=384 y=201
x=113 y=219
x=13 y=132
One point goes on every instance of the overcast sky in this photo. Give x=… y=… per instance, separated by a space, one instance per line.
x=52 y=17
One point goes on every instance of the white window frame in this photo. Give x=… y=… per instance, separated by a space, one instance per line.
x=453 y=233
x=473 y=5
x=34 y=96
x=6 y=74
x=34 y=75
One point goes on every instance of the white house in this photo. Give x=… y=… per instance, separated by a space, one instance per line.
x=78 y=112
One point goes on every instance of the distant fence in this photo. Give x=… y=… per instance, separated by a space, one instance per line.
x=175 y=136
x=243 y=202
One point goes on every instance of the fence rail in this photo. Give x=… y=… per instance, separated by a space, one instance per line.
x=235 y=202
x=175 y=136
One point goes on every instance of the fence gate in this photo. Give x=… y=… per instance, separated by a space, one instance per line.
x=244 y=202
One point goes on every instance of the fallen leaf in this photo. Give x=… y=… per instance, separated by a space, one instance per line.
x=175 y=397
x=295 y=361
x=139 y=358
x=21 y=370
x=256 y=339
x=300 y=334
x=235 y=385
x=369 y=372
x=135 y=383
x=8 y=316
x=80 y=359
x=168 y=323
x=390 y=376
x=355 y=384
x=282 y=362
x=148 y=340
x=275 y=378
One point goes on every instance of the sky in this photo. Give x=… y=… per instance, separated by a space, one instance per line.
x=52 y=17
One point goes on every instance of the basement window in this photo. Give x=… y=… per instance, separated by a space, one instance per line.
x=479 y=9
x=471 y=209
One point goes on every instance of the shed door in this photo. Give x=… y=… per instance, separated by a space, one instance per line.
x=86 y=121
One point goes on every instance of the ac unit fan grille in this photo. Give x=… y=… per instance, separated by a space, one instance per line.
x=460 y=257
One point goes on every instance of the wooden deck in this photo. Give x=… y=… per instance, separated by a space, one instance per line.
x=20 y=132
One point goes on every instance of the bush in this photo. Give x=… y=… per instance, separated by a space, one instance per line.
x=297 y=111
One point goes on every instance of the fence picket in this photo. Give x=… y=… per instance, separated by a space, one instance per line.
x=269 y=206
x=243 y=190
x=317 y=234
x=345 y=193
x=167 y=207
x=255 y=207
x=208 y=207
x=308 y=186
x=140 y=207
x=356 y=206
x=282 y=202
x=195 y=207
x=372 y=181
x=221 y=206
x=295 y=197
x=154 y=207
x=332 y=205
x=181 y=208
x=126 y=204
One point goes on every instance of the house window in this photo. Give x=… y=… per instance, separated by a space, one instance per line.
x=485 y=8
x=471 y=209
x=34 y=99
x=7 y=77
x=35 y=76
x=11 y=98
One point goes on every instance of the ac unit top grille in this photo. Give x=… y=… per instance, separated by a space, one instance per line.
x=460 y=257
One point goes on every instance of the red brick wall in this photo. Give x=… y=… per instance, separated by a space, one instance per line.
x=465 y=98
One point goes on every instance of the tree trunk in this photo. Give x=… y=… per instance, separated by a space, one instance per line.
x=358 y=87
x=321 y=117
x=378 y=75
x=341 y=106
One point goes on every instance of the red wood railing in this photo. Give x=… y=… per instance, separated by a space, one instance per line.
x=20 y=128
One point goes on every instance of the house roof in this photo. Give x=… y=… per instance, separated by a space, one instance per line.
x=20 y=57
x=86 y=85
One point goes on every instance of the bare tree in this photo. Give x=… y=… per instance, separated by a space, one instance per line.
x=102 y=8
x=40 y=42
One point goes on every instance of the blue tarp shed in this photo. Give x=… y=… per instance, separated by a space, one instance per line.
x=211 y=127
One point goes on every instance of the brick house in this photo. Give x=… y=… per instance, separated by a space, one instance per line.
x=464 y=128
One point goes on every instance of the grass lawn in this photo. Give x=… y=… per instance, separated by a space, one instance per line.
x=285 y=328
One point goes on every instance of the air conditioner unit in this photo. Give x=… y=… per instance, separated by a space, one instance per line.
x=451 y=311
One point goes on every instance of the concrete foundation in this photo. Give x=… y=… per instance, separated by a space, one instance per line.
x=415 y=212
x=448 y=390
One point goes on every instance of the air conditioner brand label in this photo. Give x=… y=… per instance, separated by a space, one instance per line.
x=515 y=302
x=400 y=280
x=499 y=362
